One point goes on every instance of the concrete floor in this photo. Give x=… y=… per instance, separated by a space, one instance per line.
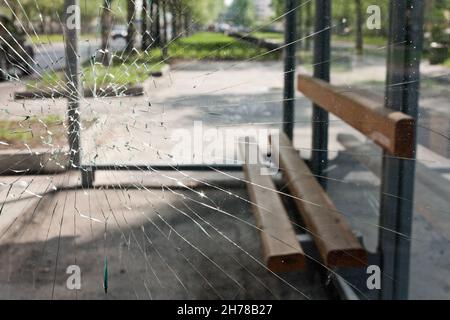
x=159 y=244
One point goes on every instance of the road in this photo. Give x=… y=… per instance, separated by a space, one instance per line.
x=50 y=57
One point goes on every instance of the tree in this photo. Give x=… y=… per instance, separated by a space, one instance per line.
x=175 y=16
x=105 y=28
x=300 y=27
x=165 y=26
x=279 y=6
x=145 y=19
x=436 y=21
x=309 y=27
x=131 y=14
x=242 y=13
x=157 y=22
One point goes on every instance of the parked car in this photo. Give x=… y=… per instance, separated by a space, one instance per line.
x=15 y=51
x=119 y=31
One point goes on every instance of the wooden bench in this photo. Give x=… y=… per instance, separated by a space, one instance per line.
x=392 y=130
x=334 y=239
x=280 y=247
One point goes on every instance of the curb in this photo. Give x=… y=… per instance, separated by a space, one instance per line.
x=164 y=71
x=45 y=162
x=53 y=94
x=269 y=45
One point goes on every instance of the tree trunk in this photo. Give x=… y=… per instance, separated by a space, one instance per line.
x=173 y=10
x=166 y=35
x=300 y=29
x=164 y=10
x=106 y=20
x=187 y=23
x=144 y=31
x=131 y=14
x=157 y=23
x=359 y=24
x=308 y=25
x=152 y=21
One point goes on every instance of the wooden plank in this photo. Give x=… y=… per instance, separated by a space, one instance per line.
x=391 y=130
x=280 y=247
x=335 y=241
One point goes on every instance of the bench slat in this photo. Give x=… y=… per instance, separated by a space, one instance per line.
x=391 y=130
x=336 y=243
x=280 y=247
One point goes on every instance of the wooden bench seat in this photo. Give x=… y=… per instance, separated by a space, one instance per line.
x=280 y=247
x=334 y=239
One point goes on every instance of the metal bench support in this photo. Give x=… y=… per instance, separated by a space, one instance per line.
x=289 y=68
x=397 y=190
x=322 y=37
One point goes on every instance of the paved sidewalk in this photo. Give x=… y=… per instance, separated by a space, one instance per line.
x=222 y=95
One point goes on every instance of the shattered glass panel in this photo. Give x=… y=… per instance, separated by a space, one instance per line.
x=145 y=149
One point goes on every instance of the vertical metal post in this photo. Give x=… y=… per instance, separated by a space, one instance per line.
x=402 y=94
x=322 y=29
x=359 y=28
x=289 y=68
x=72 y=30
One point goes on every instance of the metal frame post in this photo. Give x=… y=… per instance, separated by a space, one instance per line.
x=402 y=94
x=289 y=68
x=322 y=52
x=72 y=28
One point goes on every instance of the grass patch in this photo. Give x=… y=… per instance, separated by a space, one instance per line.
x=447 y=62
x=53 y=38
x=217 y=46
x=33 y=131
x=125 y=71
x=46 y=132
x=268 y=35
x=129 y=70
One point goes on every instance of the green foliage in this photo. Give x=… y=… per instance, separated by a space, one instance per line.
x=276 y=36
x=33 y=9
x=203 y=11
x=126 y=70
x=242 y=13
x=30 y=130
x=278 y=6
x=52 y=38
x=216 y=46
x=437 y=21
x=200 y=11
